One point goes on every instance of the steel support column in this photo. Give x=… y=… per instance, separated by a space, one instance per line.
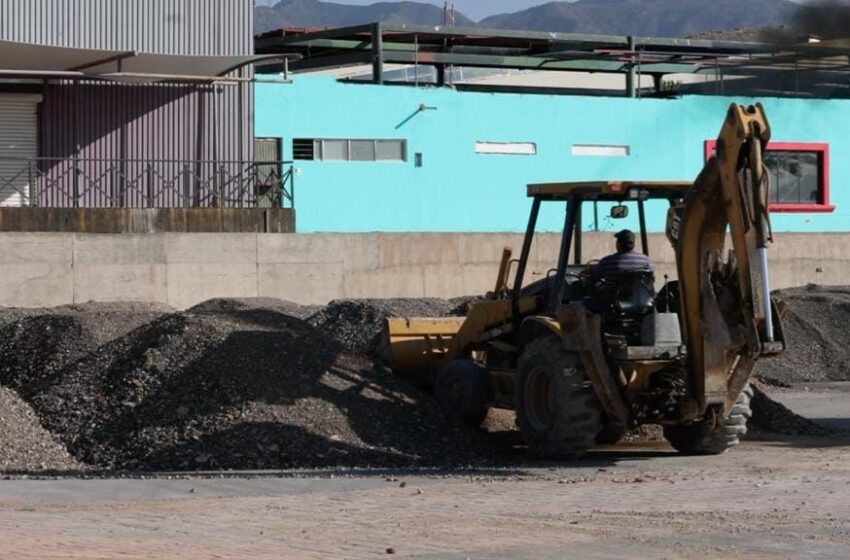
x=377 y=54
x=644 y=238
x=631 y=76
x=441 y=74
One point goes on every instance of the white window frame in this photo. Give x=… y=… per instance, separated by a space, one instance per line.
x=506 y=148
x=319 y=149
x=602 y=150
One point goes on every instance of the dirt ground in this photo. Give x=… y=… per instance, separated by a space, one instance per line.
x=763 y=500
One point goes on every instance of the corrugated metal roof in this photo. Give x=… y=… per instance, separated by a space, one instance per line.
x=114 y=65
x=192 y=27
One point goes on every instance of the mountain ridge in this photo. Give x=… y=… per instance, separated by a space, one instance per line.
x=662 y=18
x=665 y=18
x=317 y=13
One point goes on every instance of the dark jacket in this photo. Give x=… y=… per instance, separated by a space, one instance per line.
x=612 y=265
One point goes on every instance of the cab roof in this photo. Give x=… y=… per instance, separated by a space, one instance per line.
x=609 y=190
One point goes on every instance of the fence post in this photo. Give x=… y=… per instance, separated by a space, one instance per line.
x=187 y=189
x=213 y=186
x=292 y=186
x=219 y=186
x=76 y=185
x=149 y=181
x=33 y=191
x=242 y=183
x=115 y=187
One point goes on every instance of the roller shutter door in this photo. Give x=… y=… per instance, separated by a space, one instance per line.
x=18 y=142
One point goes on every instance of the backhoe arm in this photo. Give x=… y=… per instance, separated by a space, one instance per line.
x=727 y=314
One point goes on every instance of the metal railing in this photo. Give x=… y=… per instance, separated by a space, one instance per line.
x=136 y=183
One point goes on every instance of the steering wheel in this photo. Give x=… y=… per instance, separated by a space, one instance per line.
x=588 y=269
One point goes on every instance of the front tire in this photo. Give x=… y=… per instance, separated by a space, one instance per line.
x=463 y=388
x=702 y=438
x=557 y=409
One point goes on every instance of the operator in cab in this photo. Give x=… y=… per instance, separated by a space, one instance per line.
x=626 y=258
x=607 y=273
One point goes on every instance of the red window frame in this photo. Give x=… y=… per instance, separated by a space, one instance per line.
x=821 y=148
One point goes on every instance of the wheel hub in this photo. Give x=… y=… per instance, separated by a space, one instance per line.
x=539 y=397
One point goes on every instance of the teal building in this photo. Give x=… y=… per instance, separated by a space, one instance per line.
x=424 y=158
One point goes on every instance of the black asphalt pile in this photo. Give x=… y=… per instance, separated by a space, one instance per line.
x=356 y=324
x=771 y=417
x=231 y=385
x=25 y=446
x=818 y=337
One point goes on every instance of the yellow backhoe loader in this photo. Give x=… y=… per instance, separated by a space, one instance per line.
x=579 y=374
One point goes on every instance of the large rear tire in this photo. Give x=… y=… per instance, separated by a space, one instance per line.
x=704 y=439
x=463 y=388
x=557 y=409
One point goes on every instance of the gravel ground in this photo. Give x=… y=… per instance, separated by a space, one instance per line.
x=817 y=334
x=764 y=501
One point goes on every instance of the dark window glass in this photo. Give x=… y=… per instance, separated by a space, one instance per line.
x=303 y=148
x=795 y=177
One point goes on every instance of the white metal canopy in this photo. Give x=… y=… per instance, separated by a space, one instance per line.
x=45 y=61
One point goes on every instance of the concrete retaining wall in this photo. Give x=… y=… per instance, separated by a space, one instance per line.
x=46 y=269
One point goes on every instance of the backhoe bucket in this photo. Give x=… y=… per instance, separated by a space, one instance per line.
x=413 y=347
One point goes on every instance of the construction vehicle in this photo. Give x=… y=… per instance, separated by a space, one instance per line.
x=681 y=357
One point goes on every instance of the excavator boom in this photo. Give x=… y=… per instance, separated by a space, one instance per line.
x=728 y=317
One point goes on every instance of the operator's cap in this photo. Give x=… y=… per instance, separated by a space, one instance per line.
x=626 y=235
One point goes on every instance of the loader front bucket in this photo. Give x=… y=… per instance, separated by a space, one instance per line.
x=413 y=347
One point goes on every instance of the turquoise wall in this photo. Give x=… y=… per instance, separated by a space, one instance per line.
x=459 y=190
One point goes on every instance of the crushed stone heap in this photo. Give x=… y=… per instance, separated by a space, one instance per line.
x=269 y=384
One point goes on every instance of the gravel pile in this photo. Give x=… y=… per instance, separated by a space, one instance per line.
x=24 y=444
x=231 y=305
x=357 y=324
x=228 y=385
x=818 y=337
x=36 y=344
x=269 y=384
x=771 y=417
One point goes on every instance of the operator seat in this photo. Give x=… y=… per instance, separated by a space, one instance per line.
x=635 y=294
x=628 y=297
